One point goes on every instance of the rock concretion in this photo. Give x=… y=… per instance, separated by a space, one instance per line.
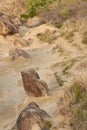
x=32 y=83
x=32 y=116
x=17 y=52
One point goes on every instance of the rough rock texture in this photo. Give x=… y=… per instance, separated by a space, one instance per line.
x=7 y=27
x=34 y=22
x=21 y=42
x=32 y=83
x=17 y=52
x=16 y=21
x=32 y=116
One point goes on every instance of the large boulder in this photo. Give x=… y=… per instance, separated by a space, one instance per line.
x=32 y=117
x=17 y=52
x=32 y=83
x=7 y=27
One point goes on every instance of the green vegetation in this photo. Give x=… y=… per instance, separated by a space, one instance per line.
x=55 y=11
x=74 y=104
x=79 y=109
x=77 y=90
x=48 y=36
x=48 y=124
x=34 y=6
x=79 y=114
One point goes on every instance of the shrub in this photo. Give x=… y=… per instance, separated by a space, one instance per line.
x=25 y=16
x=33 y=6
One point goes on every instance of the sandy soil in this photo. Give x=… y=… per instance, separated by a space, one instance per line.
x=46 y=59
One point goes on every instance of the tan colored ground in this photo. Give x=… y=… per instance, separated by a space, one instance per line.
x=46 y=59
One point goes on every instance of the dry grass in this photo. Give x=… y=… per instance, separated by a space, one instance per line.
x=73 y=105
x=59 y=79
x=48 y=36
x=68 y=34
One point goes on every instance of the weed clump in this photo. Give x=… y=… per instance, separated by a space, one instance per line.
x=47 y=36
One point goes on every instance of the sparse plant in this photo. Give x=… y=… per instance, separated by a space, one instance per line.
x=48 y=124
x=84 y=39
x=59 y=80
x=59 y=49
x=34 y=6
x=68 y=35
x=65 y=70
x=48 y=36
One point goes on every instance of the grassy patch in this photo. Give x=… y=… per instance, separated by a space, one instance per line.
x=48 y=36
x=74 y=106
x=79 y=109
x=33 y=6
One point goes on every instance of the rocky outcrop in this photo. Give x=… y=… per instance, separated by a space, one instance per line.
x=32 y=83
x=34 y=22
x=17 y=52
x=7 y=27
x=20 y=42
x=32 y=116
x=16 y=21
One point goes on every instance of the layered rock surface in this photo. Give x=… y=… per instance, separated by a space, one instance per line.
x=32 y=116
x=7 y=27
x=32 y=83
